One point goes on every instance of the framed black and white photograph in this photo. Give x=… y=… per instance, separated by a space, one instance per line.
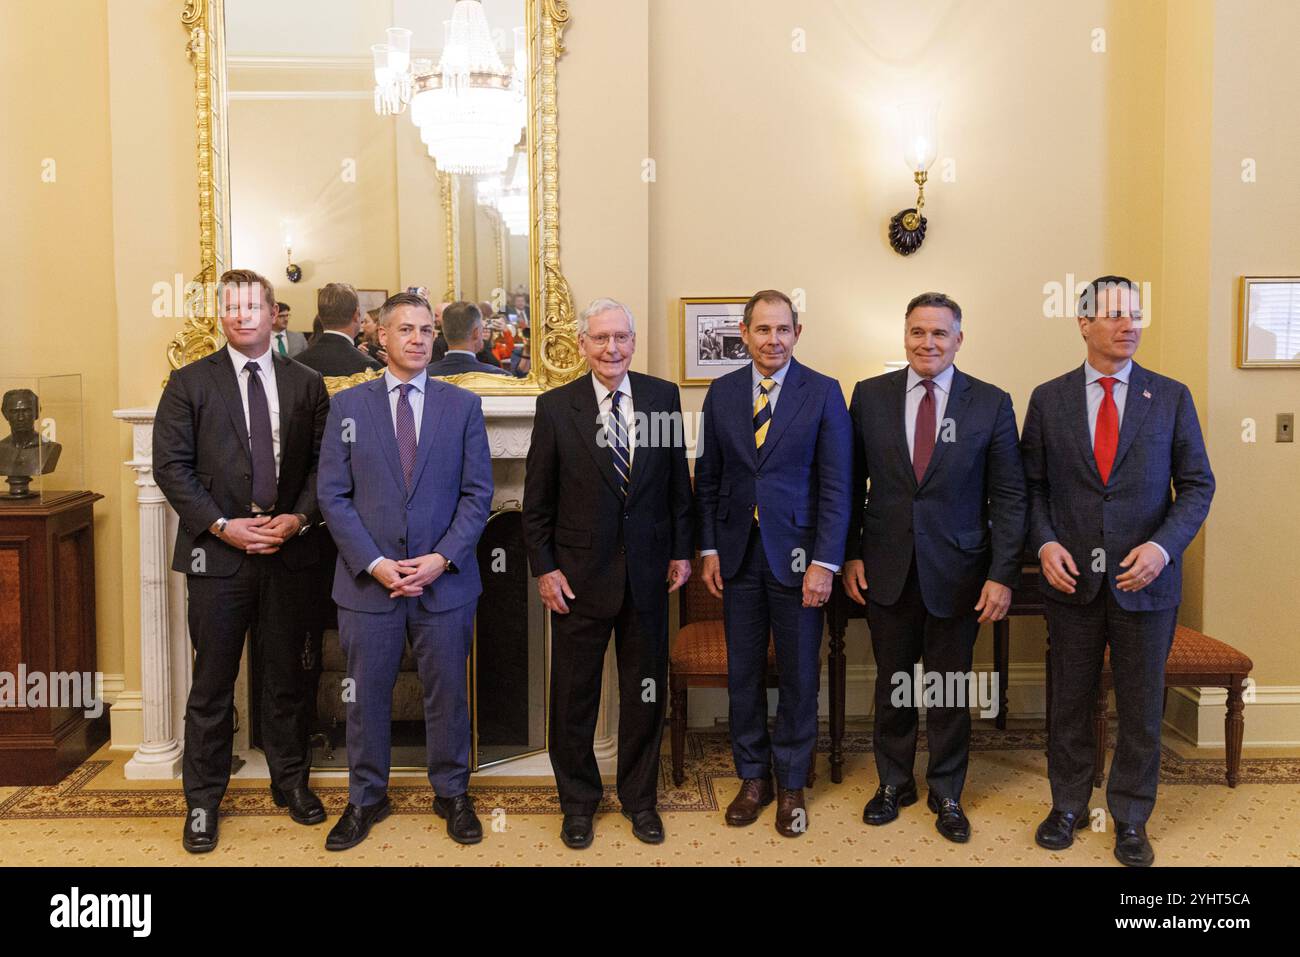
x=711 y=340
x=1268 y=323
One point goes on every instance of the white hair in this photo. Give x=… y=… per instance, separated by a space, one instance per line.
x=597 y=306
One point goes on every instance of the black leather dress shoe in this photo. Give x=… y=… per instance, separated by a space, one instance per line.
x=646 y=825
x=951 y=821
x=1056 y=833
x=200 y=833
x=355 y=824
x=883 y=808
x=462 y=823
x=1132 y=848
x=577 y=831
x=304 y=806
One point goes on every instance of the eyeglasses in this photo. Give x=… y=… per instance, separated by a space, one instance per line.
x=602 y=340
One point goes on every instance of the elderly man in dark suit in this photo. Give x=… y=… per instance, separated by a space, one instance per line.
x=772 y=483
x=1102 y=446
x=406 y=487
x=235 y=446
x=332 y=353
x=607 y=523
x=462 y=324
x=934 y=551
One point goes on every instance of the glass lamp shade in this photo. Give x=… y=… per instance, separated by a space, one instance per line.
x=399 y=49
x=918 y=124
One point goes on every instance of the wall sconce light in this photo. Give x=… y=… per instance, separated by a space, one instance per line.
x=919 y=123
x=293 y=271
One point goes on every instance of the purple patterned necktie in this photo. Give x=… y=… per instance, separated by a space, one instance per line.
x=260 y=442
x=923 y=437
x=406 y=432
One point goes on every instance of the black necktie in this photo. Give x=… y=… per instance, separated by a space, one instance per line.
x=259 y=439
x=618 y=443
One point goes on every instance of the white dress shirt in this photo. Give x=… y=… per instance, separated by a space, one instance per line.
x=414 y=396
x=1094 y=391
x=916 y=392
x=267 y=367
x=625 y=410
x=773 y=394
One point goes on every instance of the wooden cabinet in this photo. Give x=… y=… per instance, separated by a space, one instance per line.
x=47 y=638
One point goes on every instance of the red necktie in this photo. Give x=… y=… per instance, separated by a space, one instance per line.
x=1105 y=439
x=923 y=434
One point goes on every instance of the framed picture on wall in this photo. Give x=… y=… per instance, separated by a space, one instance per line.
x=711 y=342
x=1268 y=323
x=369 y=299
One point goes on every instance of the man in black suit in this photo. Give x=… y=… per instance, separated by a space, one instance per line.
x=332 y=352
x=933 y=550
x=608 y=527
x=1102 y=446
x=462 y=324
x=235 y=445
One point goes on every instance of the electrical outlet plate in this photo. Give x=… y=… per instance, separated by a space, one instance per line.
x=1286 y=427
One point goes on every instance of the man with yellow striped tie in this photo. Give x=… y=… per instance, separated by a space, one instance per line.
x=772 y=487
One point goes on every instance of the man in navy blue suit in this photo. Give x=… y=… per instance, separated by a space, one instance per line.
x=934 y=549
x=1102 y=446
x=462 y=324
x=772 y=486
x=407 y=521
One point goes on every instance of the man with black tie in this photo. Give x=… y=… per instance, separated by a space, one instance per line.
x=607 y=523
x=772 y=484
x=935 y=550
x=332 y=352
x=462 y=324
x=235 y=446
x=1102 y=445
x=406 y=487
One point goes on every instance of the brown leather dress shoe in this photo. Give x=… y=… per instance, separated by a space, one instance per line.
x=791 y=814
x=755 y=794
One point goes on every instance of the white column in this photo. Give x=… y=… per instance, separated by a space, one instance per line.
x=159 y=753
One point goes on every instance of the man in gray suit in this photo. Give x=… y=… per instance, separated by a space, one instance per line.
x=1102 y=445
x=284 y=341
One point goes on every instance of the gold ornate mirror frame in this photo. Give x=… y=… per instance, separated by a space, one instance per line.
x=555 y=358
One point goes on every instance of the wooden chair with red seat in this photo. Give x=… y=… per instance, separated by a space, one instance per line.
x=1195 y=660
x=699 y=660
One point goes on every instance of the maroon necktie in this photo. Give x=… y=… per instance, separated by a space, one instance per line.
x=1105 y=439
x=406 y=432
x=923 y=434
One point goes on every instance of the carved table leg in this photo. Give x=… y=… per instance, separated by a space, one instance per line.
x=677 y=689
x=1001 y=654
x=836 y=667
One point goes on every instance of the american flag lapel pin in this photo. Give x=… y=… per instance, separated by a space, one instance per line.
x=1146 y=394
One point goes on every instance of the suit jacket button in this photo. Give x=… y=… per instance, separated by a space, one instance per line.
x=401 y=541
x=1106 y=497
x=409 y=506
x=627 y=514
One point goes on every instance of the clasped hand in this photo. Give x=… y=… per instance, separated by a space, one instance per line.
x=262 y=535
x=408 y=577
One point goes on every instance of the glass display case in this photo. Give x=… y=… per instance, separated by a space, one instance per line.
x=42 y=439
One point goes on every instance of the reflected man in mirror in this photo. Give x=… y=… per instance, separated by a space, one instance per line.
x=607 y=524
x=462 y=324
x=235 y=445
x=332 y=352
x=406 y=488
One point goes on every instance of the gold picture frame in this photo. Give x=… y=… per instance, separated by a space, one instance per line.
x=555 y=357
x=698 y=365
x=1268 y=322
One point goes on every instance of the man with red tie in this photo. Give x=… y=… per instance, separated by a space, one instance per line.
x=1102 y=446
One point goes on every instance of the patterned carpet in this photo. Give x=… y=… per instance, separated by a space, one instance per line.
x=91 y=792
x=97 y=817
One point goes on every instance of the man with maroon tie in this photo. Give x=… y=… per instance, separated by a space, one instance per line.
x=1102 y=446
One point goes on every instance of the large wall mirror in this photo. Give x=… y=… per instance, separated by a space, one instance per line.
x=337 y=148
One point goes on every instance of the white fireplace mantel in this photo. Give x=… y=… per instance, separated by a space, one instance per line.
x=165 y=654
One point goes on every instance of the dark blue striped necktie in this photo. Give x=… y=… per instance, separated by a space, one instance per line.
x=618 y=443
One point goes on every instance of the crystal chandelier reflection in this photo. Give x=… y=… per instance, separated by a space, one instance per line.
x=470 y=109
x=507 y=195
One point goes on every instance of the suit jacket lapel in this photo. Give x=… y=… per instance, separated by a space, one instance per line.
x=1137 y=404
x=958 y=399
x=790 y=399
x=1075 y=404
x=644 y=406
x=227 y=382
x=377 y=400
x=428 y=429
x=896 y=416
x=586 y=420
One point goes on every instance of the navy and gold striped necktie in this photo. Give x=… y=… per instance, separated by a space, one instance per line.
x=762 y=417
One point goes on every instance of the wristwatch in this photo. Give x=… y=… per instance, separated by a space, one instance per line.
x=221 y=524
x=304 y=527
